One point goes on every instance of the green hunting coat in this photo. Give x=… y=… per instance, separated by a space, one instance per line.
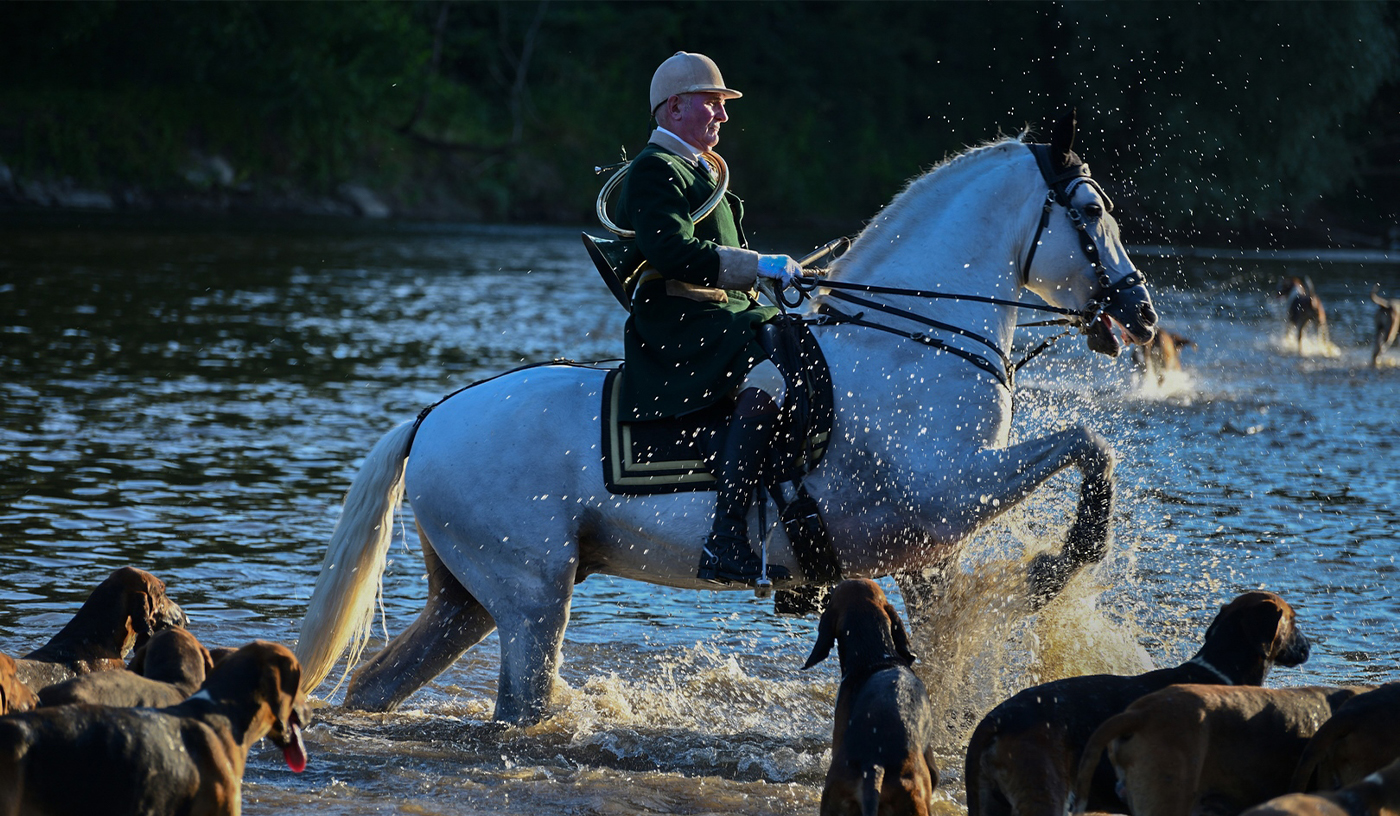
x=685 y=349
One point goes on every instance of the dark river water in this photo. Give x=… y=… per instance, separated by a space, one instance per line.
x=194 y=398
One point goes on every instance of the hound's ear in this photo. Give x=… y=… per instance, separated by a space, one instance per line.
x=1265 y=626
x=901 y=637
x=270 y=687
x=1062 y=139
x=826 y=636
x=1214 y=624
x=142 y=610
x=1280 y=624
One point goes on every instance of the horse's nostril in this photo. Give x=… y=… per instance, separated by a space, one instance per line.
x=1148 y=314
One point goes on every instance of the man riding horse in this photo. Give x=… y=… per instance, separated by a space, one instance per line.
x=691 y=340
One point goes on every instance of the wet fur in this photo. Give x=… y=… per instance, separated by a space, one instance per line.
x=881 y=742
x=1161 y=354
x=14 y=695
x=1304 y=307
x=169 y=668
x=1190 y=748
x=1023 y=755
x=121 y=614
x=1376 y=795
x=187 y=759
x=1361 y=738
x=1387 y=324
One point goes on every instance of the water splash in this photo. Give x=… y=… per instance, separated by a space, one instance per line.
x=1311 y=345
x=1177 y=387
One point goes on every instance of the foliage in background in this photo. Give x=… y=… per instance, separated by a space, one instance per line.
x=1202 y=117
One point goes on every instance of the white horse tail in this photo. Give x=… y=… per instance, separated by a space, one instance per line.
x=341 y=611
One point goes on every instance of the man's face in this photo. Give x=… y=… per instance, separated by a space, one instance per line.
x=696 y=117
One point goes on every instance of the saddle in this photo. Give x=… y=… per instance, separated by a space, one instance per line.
x=675 y=454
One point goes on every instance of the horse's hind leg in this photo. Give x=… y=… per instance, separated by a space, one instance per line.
x=451 y=622
x=532 y=634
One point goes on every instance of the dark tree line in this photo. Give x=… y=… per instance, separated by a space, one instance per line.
x=1208 y=119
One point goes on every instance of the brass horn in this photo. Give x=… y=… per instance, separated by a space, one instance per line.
x=721 y=187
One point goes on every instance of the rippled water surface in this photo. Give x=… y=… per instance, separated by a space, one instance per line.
x=194 y=398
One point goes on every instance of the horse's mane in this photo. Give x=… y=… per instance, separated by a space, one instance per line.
x=915 y=188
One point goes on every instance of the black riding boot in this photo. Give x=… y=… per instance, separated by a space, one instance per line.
x=727 y=557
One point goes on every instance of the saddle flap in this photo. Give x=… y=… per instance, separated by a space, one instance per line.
x=672 y=455
x=657 y=456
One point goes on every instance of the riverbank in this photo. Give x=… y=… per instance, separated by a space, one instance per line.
x=1332 y=255
x=214 y=193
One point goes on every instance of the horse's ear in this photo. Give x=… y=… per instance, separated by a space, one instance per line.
x=1062 y=139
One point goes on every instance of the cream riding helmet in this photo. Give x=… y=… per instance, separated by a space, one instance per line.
x=684 y=73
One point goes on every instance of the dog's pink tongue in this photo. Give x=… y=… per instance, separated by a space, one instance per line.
x=295 y=751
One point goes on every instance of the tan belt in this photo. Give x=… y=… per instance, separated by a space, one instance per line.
x=690 y=291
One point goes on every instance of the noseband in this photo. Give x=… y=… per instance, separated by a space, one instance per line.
x=1062 y=182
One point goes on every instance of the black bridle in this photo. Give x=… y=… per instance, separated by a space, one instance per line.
x=1062 y=182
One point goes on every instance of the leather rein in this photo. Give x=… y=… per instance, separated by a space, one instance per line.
x=1062 y=183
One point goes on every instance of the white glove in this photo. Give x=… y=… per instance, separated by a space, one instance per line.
x=780 y=269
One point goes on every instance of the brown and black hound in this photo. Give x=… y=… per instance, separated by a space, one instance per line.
x=1376 y=795
x=188 y=758
x=169 y=668
x=1387 y=323
x=121 y=614
x=14 y=695
x=1304 y=307
x=882 y=740
x=1361 y=738
x=1161 y=354
x=1195 y=749
x=1023 y=756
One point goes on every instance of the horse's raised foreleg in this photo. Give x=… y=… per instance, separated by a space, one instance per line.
x=451 y=622
x=1002 y=478
x=1087 y=540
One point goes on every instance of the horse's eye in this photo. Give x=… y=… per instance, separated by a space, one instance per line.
x=1093 y=210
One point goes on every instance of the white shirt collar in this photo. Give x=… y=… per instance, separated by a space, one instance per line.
x=690 y=151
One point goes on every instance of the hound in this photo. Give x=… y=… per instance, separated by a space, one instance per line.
x=83 y=759
x=1304 y=307
x=169 y=668
x=1360 y=738
x=1376 y=795
x=121 y=614
x=1192 y=748
x=14 y=695
x=1023 y=755
x=882 y=738
x=1387 y=323
x=1161 y=354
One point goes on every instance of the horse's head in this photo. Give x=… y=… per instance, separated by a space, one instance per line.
x=1077 y=259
